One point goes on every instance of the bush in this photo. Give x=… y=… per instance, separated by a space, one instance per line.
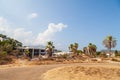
x=4 y=58
x=117 y=53
x=103 y=54
x=65 y=56
x=79 y=52
x=98 y=53
x=4 y=53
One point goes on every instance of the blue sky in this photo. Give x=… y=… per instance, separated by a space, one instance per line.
x=64 y=22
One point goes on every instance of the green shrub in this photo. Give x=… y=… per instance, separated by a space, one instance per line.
x=64 y=56
x=4 y=53
x=103 y=55
x=117 y=53
x=4 y=58
x=98 y=53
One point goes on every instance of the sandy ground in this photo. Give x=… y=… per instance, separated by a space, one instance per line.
x=84 y=72
x=39 y=72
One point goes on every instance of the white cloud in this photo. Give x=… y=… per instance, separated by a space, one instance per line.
x=49 y=33
x=4 y=27
x=27 y=37
x=32 y=16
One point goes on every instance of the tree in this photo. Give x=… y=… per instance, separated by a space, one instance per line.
x=49 y=48
x=76 y=46
x=9 y=44
x=92 y=49
x=79 y=51
x=73 y=48
x=27 y=53
x=85 y=50
x=14 y=43
x=3 y=36
x=109 y=42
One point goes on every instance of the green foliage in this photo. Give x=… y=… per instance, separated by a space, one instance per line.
x=9 y=44
x=103 y=54
x=90 y=49
x=7 y=48
x=27 y=51
x=50 y=48
x=73 y=48
x=98 y=53
x=117 y=53
x=4 y=59
x=4 y=53
x=3 y=36
x=65 y=56
x=59 y=51
x=79 y=51
x=50 y=45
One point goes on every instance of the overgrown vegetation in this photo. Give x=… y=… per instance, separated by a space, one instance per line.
x=8 y=48
x=50 y=48
x=115 y=59
x=117 y=53
x=74 y=48
x=90 y=50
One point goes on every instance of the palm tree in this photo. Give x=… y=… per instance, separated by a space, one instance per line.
x=92 y=49
x=85 y=50
x=73 y=48
x=49 y=48
x=109 y=42
x=76 y=46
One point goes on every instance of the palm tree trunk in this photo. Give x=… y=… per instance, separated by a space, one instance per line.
x=110 y=48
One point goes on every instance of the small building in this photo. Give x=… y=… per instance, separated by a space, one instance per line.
x=33 y=51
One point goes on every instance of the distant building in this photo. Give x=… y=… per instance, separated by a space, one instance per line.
x=33 y=51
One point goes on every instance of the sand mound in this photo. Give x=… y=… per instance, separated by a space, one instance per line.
x=83 y=73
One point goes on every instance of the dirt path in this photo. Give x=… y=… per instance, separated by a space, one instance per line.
x=34 y=72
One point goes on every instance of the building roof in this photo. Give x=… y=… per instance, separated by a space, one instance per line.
x=30 y=47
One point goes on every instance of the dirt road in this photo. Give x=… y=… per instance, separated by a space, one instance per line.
x=34 y=72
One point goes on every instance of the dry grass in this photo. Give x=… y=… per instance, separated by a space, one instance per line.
x=116 y=59
x=83 y=73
